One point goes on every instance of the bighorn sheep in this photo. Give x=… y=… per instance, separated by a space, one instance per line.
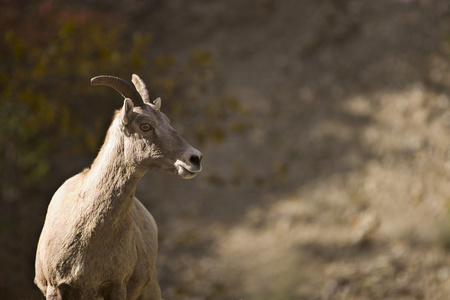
x=98 y=240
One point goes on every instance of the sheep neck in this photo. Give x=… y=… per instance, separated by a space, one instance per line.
x=111 y=181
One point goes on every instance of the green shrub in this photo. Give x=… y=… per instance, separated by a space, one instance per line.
x=47 y=105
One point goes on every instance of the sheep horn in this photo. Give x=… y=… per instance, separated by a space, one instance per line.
x=141 y=88
x=120 y=85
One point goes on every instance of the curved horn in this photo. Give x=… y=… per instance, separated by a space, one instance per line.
x=141 y=88
x=120 y=85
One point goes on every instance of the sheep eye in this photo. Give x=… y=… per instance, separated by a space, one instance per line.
x=145 y=127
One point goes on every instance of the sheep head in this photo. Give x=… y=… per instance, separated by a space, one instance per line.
x=150 y=142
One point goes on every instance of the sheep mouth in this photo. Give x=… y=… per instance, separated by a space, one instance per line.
x=187 y=171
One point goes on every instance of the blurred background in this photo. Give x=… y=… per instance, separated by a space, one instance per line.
x=324 y=127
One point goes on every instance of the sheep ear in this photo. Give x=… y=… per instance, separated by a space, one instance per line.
x=157 y=103
x=127 y=111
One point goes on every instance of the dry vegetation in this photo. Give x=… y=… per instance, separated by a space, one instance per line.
x=324 y=127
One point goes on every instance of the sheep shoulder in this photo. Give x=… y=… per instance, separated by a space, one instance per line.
x=78 y=246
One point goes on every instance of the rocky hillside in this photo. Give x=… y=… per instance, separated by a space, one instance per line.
x=325 y=129
x=330 y=176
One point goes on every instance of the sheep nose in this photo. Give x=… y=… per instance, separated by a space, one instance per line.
x=196 y=159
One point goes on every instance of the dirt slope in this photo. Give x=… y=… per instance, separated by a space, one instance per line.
x=332 y=179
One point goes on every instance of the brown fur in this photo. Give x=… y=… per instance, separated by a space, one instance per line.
x=98 y=240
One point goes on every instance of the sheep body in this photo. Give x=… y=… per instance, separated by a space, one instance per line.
x=98 y=240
